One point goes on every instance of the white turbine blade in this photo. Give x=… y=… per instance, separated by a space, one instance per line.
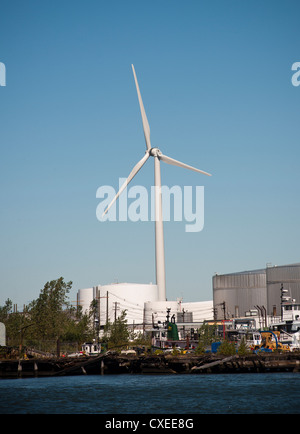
x=143 y=113
x=134 y=171
x=170 y=160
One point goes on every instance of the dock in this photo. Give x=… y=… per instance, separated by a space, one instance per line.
x=106 y=364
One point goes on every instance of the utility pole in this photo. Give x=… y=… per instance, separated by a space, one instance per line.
x=224 y=309
x=106 y=308
x=116 y=308
x=98 y=306
x=215 y=313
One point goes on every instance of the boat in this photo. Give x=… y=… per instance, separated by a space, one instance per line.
x=289 y=324
x=88 y=349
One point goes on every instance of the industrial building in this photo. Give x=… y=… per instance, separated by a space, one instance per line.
x=143 y=308
x=236 y=294
x=256 y=292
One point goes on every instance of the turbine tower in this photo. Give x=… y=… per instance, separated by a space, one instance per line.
x=158 y=156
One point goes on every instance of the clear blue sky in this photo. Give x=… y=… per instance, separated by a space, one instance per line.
x=215 y=77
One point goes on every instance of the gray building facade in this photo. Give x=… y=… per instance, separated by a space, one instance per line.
x=287 y=276
x=236 y=294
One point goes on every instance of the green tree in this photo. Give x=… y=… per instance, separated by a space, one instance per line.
x=227 y=348
x=78 y=328
x=117 y=333
x=243 y=347
x=140 y=339
x=48 y=320
x=5 y=310
x=16 y=323
x=51 y=312
x=207 y=334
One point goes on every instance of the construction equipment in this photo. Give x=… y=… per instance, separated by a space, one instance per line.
x=270 y=341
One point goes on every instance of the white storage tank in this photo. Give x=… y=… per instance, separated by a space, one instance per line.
x=200 y=310
x=116 y=297
x=85 y=297
x=157 y=311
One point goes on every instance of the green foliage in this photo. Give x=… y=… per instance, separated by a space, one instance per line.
x=78 y=328
x=16 y=323
x=140 y=339
x=51 y=312
x=200 y=349
x=227 y=348
x=207 y=335
x=243 y=348
x=117 y=333
x=48 y=319
x=5 y=310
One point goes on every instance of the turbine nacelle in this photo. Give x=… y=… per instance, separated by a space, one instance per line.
x=155 y=152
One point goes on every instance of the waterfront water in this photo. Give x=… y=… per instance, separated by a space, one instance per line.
x=153 y=394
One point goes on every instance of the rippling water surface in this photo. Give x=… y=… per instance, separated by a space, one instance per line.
x=153 y=394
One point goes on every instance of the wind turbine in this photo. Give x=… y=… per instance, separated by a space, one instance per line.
x=158 y=156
